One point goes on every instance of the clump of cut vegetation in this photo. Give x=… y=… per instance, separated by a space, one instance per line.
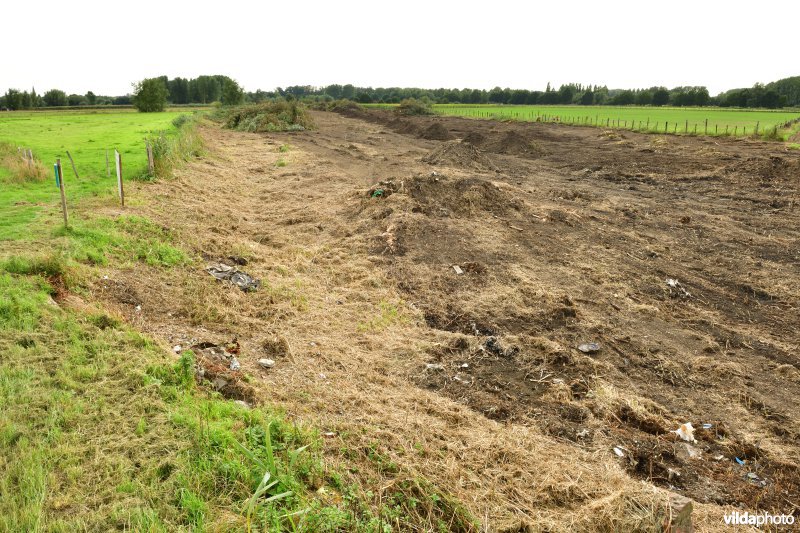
x=172 y=149
x=280 y=115
x=412 y=106
x=21 y=169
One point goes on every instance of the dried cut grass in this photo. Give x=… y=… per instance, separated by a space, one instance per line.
x=21 y=169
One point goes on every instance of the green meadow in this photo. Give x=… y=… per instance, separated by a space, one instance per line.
x=86 y=135
x=721 y=121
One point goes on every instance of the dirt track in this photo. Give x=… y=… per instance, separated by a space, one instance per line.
x=563 y=236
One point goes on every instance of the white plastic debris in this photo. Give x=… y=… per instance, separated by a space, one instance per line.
x=329 y=434
x=589 y=347
x=434 y=366
x=266 y=363
x=138 y=308
x=177 y=348
x=465 y=365
x=686 y=432
x=458 y=269
x=618 y=451
x=679 y=289
x=235 y=364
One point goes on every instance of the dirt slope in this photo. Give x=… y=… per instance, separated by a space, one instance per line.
x=470 y=376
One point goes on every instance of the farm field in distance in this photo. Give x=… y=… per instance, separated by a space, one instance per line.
x=720 y=120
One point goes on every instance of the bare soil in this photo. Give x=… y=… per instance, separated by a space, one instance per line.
x=428 y=298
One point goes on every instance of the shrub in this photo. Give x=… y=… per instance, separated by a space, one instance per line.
x=150 y=95
x=268 y=116
x=412 y=106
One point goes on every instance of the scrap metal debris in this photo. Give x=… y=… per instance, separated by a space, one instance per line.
x=233 y=275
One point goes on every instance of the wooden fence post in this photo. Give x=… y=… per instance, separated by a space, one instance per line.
x=705 y=132
x=756 y=132
x=150 y=163
x=75 y=170
x=118 y=159
x=686 y=129
x=60 y=181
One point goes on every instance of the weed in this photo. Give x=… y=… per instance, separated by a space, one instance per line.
x=389 y=314
x=283 y=148
x=20 y=169
x=172 y=149
x=281 y=163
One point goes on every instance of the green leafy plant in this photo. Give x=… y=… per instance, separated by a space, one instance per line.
x=268 y=466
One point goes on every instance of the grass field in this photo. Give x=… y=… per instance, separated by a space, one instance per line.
x=676 y=119
x=721 y=121
x=86 y=135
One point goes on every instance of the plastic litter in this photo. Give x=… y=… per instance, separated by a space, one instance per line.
x=753 y=478
x=686 y=432
x=707 y=426
x=433 y=366
x=266 y=363
x=739 y=461
x=235 y=364
x=233 y=275
x=676 y=289
x=458 y=269
x=618 y=451
x=589 y=347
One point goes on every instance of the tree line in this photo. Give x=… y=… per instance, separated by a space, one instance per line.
x=777 y=94
x=14 y=99
x=220 y=88
x=200 y=90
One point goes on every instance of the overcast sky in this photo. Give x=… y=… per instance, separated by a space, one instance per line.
x=104 y=46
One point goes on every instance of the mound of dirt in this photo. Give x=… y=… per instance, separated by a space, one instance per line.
x=765 y=168
x=403 y=126
x=512 y=143
x=439 y=196
x=436 y=132
x=475 y=138
x=459 y=154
